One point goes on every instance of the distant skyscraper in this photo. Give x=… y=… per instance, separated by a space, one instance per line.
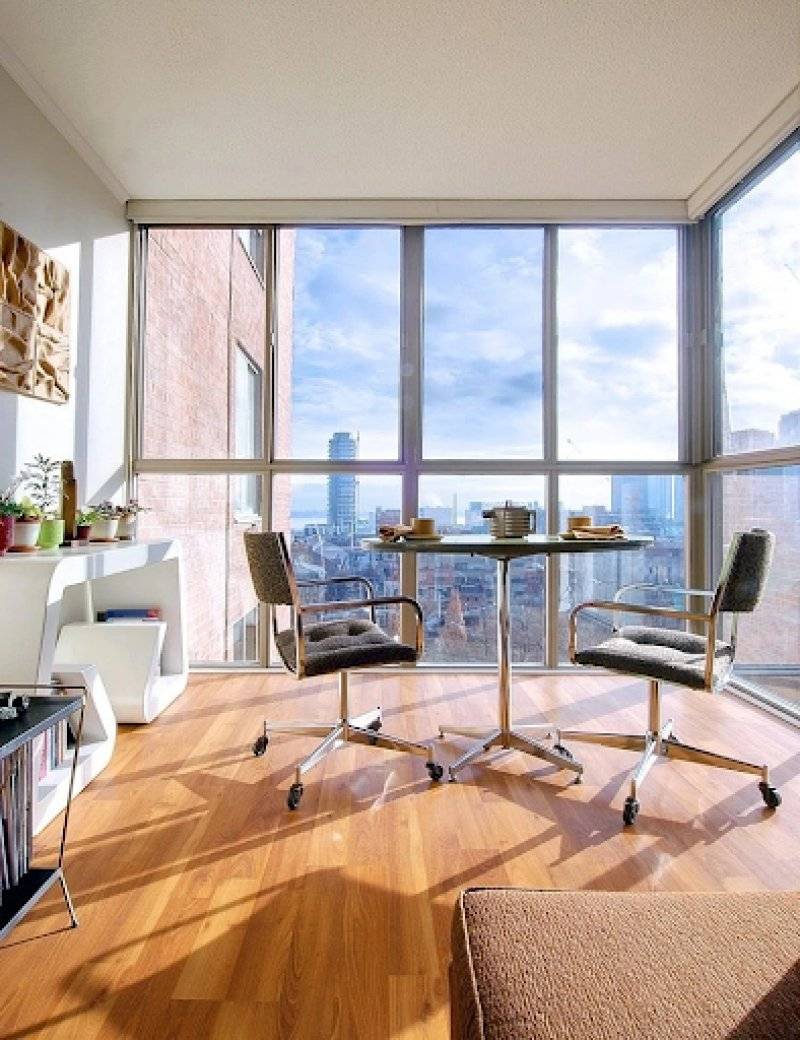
x=789 y=428
x=342 y=487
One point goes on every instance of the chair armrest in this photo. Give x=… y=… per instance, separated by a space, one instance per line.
x=628 y=608
x=373 y=601
x=670 y=589
x=350 y=579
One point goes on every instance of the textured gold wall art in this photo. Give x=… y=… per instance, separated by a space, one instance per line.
x=34 y=320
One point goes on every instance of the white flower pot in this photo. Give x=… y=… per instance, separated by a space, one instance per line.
x=104 y=529
x=26 y=533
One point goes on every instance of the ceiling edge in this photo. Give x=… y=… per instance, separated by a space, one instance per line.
x=54 y=115
x=406 y=211
x=769 y=133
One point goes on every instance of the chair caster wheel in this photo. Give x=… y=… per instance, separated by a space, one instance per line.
x=375 y=725
x=565 y=751
x=260 y=745
x=294 y=796
x=435 y=771
x=771 y=795
x=630 y=811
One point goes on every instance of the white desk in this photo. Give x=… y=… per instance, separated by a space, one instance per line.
x=48 y=607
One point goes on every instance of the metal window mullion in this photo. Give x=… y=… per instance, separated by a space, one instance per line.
x=550 y=435
x=411 y=295
x=268 y=404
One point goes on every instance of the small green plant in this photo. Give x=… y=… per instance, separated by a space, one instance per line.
x=106 y=510
x=42 y=478
x=8 y=504
x=28 y=510
x=86 y=517
x=132 y=508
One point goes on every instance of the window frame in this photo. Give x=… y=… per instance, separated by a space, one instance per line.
x=716 y=462
x=410 y=464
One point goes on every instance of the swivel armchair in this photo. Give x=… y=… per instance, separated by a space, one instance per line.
x=329 y=647
x=700 y=662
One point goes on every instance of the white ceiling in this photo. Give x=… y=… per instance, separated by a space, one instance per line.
x=502 y=99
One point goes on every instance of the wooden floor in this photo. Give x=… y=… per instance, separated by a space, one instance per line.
x=209 y=910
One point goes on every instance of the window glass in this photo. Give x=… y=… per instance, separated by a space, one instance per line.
x=325 y=520
x=769 y=638
x=248 y=421
x=204 y=304
x=759 y=281
x=338 y=313
x=199 y=511
x=482 y=346
x=458 y=593
x=643 y=504
x=617 y=343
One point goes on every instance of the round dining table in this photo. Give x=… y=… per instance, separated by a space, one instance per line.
x=505 y=734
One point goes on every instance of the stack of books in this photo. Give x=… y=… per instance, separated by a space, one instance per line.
x=118 y=614
x=16 y=817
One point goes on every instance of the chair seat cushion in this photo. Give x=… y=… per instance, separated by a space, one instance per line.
x=333 y=646
x=659 y=653
x=625 y=966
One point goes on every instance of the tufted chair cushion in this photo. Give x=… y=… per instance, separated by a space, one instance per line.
x=334 y=646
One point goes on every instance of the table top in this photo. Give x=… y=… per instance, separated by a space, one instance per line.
x=508 y=548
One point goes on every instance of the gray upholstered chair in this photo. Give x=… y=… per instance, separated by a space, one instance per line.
x=701 y=662
x=329 y=647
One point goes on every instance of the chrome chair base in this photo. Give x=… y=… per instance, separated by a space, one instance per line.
x=360 y=729
x=659 y=741
x=513 y=740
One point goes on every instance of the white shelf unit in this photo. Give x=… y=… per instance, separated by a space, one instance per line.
x=50 y=593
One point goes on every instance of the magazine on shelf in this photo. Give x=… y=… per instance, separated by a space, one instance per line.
x=130 y=614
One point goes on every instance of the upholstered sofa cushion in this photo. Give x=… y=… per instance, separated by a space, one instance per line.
x=661 y=653
x=333 y=646
x=625 y=966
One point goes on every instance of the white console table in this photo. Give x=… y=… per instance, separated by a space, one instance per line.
x=49 y=603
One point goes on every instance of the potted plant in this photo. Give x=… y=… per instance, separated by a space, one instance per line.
x=127 y=519
x=42 y=479
x=106 y=522
x=83 y=524
x=27 y=526
x=9 y=511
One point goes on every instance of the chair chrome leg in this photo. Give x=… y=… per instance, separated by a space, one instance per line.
x=493 y=739
x=357 y=735
x=625 y=741
x=673 y=748
x=302 y=729
x=462 y=731
x=646 y=762
x=556 y=758
x=330 y=743
x=368 y=719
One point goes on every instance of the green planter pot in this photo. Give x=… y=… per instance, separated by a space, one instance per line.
x=51 y=534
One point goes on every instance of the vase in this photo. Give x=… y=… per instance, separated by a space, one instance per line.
x=6 y=533
x=105 y=529
x=126 y=529
x=26 y=534
x=51 y=534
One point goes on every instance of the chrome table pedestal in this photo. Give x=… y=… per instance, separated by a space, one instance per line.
x=506 y=735
x=504 y=550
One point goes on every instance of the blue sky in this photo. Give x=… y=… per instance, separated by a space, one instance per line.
x=482 y=340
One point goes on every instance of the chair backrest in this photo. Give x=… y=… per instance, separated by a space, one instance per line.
x=745 y=571
x=270 y=567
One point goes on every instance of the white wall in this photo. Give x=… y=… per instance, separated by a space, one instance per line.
x=50 y=195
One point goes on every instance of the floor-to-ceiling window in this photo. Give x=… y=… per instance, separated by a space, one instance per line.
x=407 y=371
x=754 y=479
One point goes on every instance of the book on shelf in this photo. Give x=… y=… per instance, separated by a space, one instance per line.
x=129 y=614
x=16 y=816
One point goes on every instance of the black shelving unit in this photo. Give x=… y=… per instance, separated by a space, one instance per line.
x=43 y=713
